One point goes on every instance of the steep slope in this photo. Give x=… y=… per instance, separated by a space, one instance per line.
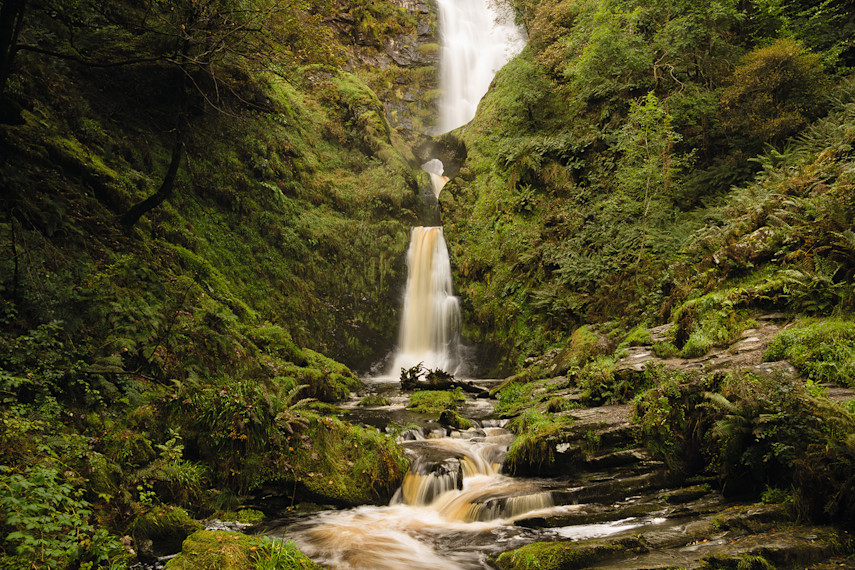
x=602 y=149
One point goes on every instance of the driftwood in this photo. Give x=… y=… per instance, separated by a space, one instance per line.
x=420 y=378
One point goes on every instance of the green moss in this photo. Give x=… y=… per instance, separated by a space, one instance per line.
x=454 y=420
x=665 y=349
x=639 y=336
x=823 y=350
x=373 y=400
x=165 y=525
x=245 y=516
x=712 y=320
x=562 y=555
x=222 y=550
x=435 y=401
x=341 y=463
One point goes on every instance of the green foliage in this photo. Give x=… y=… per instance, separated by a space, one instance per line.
x=773 y=93
x=822 y=350
x=513 y=398
x=238 y=428
x=345 y=464
x=712 y=320
x=601 y=383
x=166 y=524
x=639 y=336
x=170 y=477
x=435 y=401
x=776 y=433
x=669 y=421
x=46 y=523
x=820 y=291
x=756 y=433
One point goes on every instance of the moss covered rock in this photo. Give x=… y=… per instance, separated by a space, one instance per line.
x=454 y=420
x=159 y=530
x=435 y=401
x=564 y=555
x=223 y=550
x=341 y=463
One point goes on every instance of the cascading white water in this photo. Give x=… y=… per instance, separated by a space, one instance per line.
x=476 y=41
x=435 y=169
x=462 y=506
x=431 y=320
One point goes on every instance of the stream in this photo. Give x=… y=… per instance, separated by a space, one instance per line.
x=455 y=508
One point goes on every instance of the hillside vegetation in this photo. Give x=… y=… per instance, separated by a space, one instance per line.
x=204 y=212
x=638 y=155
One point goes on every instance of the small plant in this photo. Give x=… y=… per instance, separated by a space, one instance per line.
x=774 y=495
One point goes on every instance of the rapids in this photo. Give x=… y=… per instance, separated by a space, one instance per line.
x=454 y=510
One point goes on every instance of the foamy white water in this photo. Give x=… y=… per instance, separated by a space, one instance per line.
x=478 y=38
x=430 y=327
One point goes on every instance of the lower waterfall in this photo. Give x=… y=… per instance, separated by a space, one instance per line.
x=430 y=327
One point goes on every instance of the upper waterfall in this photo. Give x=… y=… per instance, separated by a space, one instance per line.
x=478 y=37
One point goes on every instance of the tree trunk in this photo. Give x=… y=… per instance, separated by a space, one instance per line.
x=11 y=21
x=163 y=193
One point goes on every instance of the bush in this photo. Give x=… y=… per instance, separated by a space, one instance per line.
x=774 y=92
x=755 y=433
x=46 y=523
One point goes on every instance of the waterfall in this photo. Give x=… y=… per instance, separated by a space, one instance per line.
x=430 y=324
x=476 y=41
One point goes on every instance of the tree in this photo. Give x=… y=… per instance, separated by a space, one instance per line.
x=205 y=53
x=11 y=22
x=773 y=94
x=648 y=163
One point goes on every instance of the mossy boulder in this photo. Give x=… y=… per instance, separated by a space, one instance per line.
x=535 y=449
x=585 y=343
x=242 y=516
x=452 y=419
x=565 y=555
x=345 y=464
x=435 y=401
x=223 y=550
x=374 y=400
x=160 y=530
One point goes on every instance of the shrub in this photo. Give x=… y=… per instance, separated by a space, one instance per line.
x=46 y=523
x=774 y=92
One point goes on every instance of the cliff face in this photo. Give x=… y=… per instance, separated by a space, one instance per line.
x=398 y=62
